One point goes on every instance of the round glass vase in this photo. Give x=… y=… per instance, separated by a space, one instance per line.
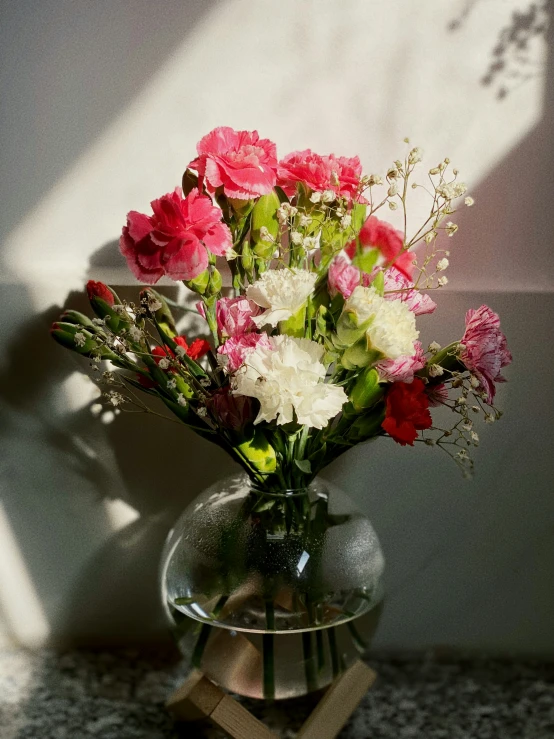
x=272 y=594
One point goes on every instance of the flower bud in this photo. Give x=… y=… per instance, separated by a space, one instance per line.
x=80 y=340
x=103 y=301
x=259 y=453
x=200 y=283
x=366 y=390
x=162 y=314
x=101 y=291
x=215 y=282
x=74 y=316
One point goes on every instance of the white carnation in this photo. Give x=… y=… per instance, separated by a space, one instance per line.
x=392 y=325
x=288 y=378
x=283 y=292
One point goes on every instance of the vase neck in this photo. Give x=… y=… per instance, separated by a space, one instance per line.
x=281 y=492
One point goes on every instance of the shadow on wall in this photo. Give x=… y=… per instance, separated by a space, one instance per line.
x=514 y=200
x=512 y=62
x=88 y=503
x=69 y=476
x=40 y=141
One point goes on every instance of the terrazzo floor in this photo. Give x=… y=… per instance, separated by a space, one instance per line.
x=120 y=695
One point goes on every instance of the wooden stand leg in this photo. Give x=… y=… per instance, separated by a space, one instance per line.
x=338 y=703
x=198 y=698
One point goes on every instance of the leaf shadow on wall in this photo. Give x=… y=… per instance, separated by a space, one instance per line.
x=96 y=576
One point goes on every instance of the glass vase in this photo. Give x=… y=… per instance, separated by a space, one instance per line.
x=272 y=594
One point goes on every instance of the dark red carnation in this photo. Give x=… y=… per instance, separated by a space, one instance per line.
x=99 y=290
x=407 y=411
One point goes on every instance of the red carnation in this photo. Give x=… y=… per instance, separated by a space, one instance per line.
x=407 y=411
x=377 y=234
x=99 y=290
x=196 y=350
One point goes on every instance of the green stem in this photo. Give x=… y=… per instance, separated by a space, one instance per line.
x=268 y=643
x=331 y=635
x=320 y=650
x=200 y=645
x=309 y=666
x=359 y=642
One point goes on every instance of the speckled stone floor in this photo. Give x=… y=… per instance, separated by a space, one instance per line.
x=120 y=695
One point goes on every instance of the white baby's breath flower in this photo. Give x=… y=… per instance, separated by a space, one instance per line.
x=202 y=411
x=265 y=235
x=115 y=398
x=181 y=399
x=346 y=221
x=315 y=197
x=180 y=351
x=288 y=380
x=80 y=338
x=304 y=220
x=172 y=383
x=434 y=347
x=442 y=281
x=135 y=333
x=435 y=370
x=442 y=264
x=163 y=363
x=469 y=201
x=296 y=237
x=283 y=292
x=490 y=418
x=328 y=196
x=451 y=228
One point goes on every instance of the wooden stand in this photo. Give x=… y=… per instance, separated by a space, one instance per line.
x=198 y=698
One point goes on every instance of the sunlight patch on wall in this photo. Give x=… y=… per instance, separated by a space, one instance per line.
x=354 y=84
x=22 y=610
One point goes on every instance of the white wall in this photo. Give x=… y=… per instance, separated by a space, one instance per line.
x=102 y=104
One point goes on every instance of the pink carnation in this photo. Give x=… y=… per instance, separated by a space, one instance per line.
x=319 y=173
x=240 y=162
x=234 y=316
x=436 y=394
x=484 y=348
x=237 y=348
x=397 y=287
x=376 y=234
x=343 y=277
x=173 y=241
x=402 y=369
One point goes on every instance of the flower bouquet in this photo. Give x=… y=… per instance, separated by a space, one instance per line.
x=311 y=348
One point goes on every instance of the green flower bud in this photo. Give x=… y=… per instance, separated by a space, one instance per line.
x=163 y=315
x=215 y=283
x=259 y=453
x=359 y=355
x=366 y=391
x=200 y=283
x=74 y=316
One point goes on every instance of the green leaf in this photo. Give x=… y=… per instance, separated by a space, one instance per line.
x=379 y=283
x=304 y=464
x=366 y=260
